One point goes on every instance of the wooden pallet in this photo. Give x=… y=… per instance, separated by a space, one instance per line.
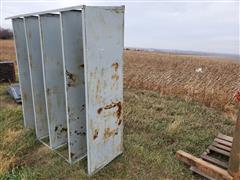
x=211 y=164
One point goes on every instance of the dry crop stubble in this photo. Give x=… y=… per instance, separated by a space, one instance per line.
x=172 y=74
x=177 y=75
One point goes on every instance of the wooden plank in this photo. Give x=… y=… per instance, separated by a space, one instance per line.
x=234 y=162
x=220 y=151
x=220 y=146
x=214 y=161
x=194 y=169
x=220 y=141
x=225 y=137
x=205 y=167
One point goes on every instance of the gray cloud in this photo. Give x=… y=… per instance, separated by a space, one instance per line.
x=209 y=27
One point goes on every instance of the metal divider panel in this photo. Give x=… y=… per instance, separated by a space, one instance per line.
x=24 y=73
x=50 y=35
x=35 y=61
x=71 y=24
x=103 y=53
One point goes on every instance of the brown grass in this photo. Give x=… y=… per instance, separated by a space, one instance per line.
x=172 y=74
x=7 y=50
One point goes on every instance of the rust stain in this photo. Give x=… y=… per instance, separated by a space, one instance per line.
x=83 y=107
x=110 y=106
x=119 y=122
x=72 y=79
x=115 y=66
x=80 y=133
x=99 y=110
x=81 y=65
x=95 y=135
x=113 y=105
x=115 y=77
x=48 y=91
x=119 y=110
x=116 y=10
x=109 y=132
x=63 y=130
x=30 y=60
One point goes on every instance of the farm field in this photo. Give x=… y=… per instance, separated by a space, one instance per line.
x=167 y=106
x=176 y=75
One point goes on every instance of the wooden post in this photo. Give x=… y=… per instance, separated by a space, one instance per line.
x=234 y=161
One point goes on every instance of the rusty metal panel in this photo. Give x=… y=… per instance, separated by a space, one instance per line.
x=24 y=73
x=76 y=78
x=35 y=61
x=50 y=36
x=103 y=54
x=71 y=25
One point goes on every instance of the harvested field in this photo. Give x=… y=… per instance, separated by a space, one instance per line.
x=7 y=51
x=176 y=75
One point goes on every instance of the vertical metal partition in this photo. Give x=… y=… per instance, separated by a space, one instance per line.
x=24 y=73
x=71 y=74
x=50 y=35
x=72 y=41
x=36 y=71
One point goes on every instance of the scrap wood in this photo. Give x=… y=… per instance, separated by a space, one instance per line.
x=206 y=168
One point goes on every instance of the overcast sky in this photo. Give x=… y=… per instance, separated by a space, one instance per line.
x=185 y=25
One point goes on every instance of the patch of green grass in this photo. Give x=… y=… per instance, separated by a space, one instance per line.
x=155 y=127
x=19 y=173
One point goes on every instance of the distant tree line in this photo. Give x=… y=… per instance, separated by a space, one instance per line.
x=6 y=33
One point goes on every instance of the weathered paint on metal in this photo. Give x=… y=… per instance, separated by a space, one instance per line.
x=52 y=59
x=103 y=54
x=35 y=61
x=82 y=77
x=71 y=26
x=24 y=73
